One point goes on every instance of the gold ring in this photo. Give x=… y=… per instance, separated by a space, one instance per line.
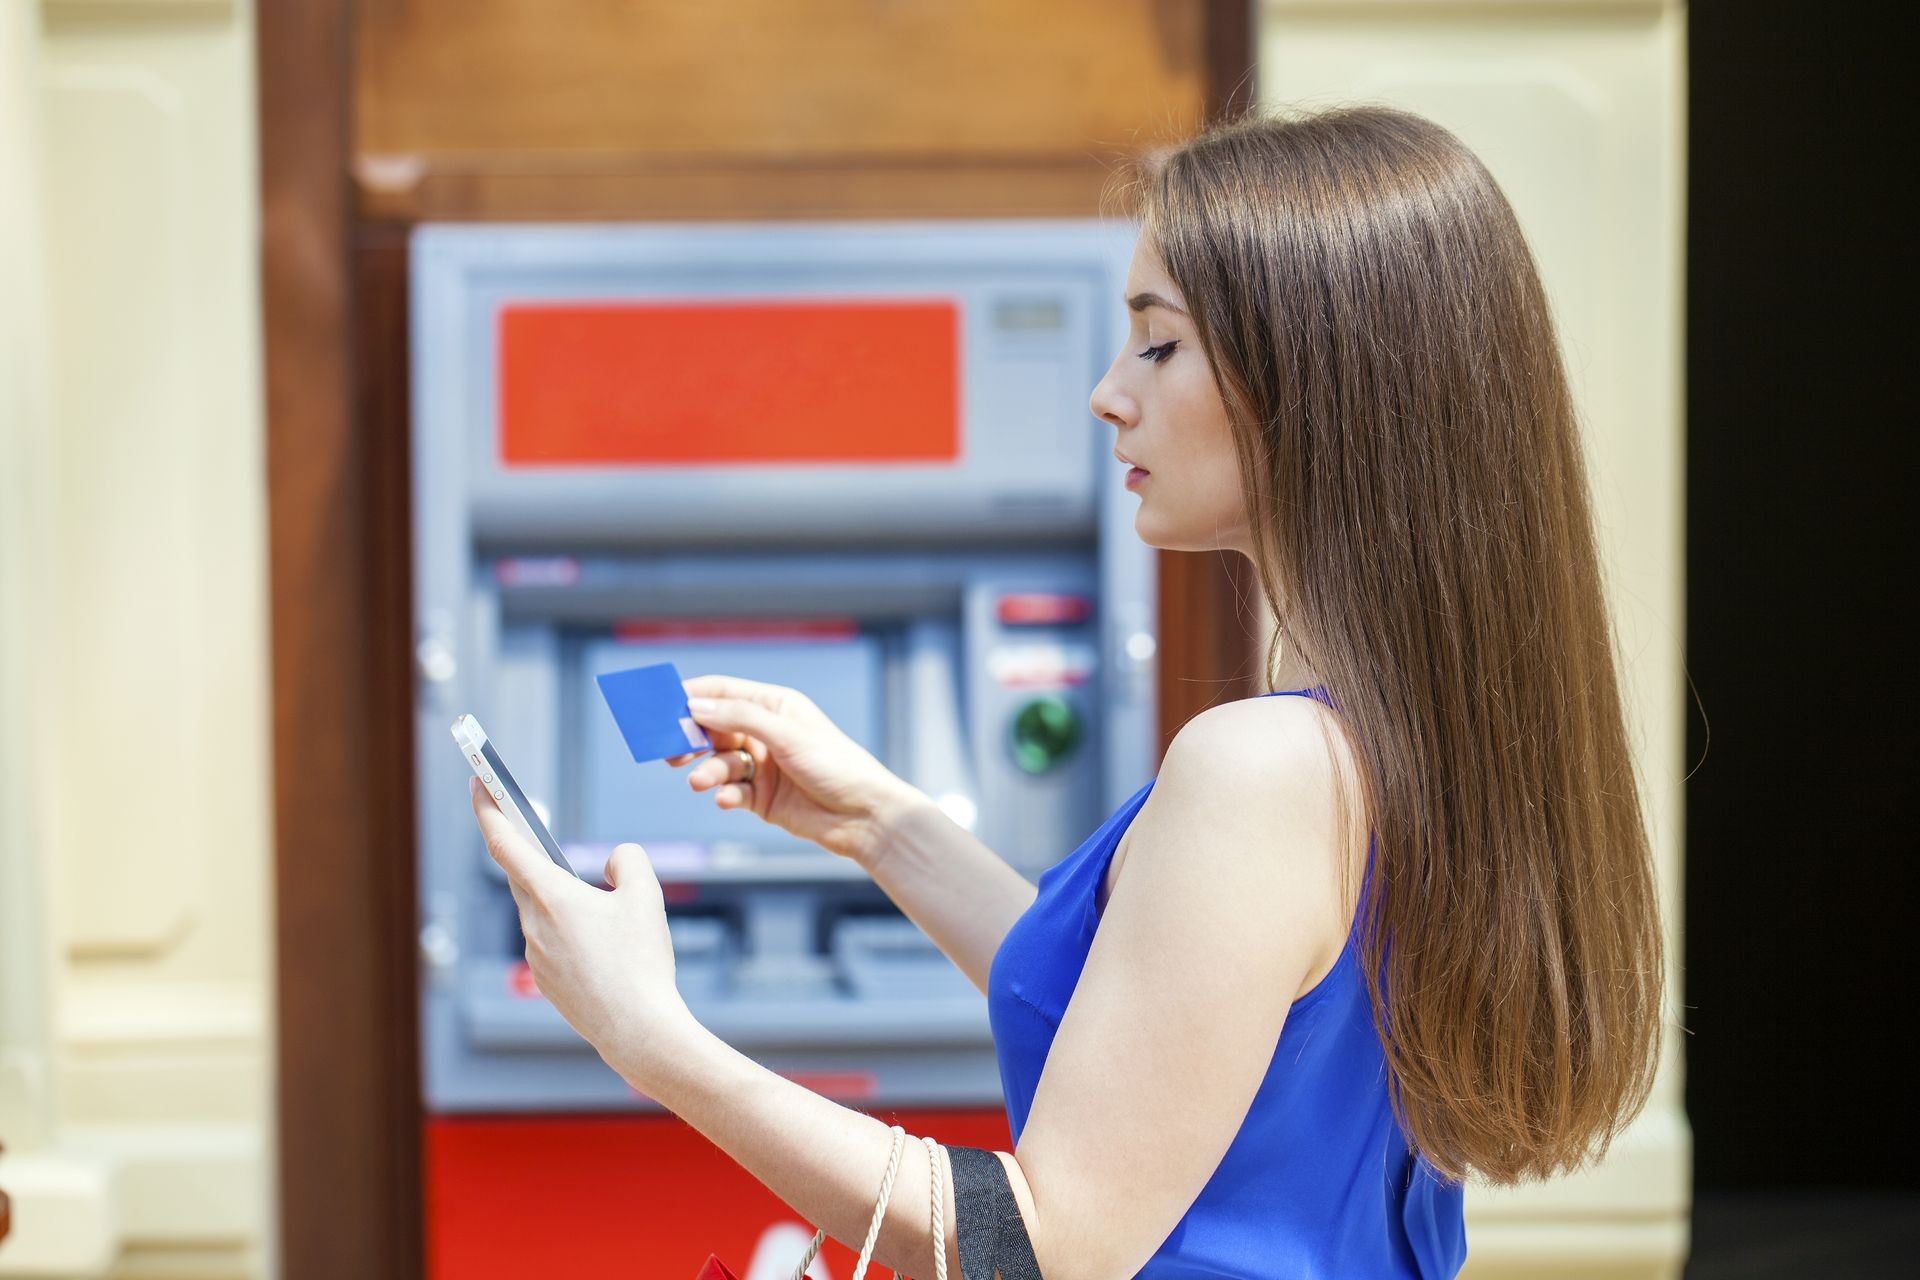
x=752 y=765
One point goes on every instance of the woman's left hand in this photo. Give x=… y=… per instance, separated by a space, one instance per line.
x=603 y=957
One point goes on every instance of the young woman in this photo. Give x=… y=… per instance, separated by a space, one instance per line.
x=1352 y=946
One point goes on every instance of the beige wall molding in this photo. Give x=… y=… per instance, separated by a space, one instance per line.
x=134 y=912
x=144 y=9
x=64 y=1216
x=25 y=959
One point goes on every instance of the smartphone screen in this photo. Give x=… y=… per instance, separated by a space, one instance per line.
x=473 y=740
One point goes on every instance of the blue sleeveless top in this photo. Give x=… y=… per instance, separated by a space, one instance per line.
x=1319 y=1182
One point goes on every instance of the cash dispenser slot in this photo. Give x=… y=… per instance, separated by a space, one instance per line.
x=754 y=974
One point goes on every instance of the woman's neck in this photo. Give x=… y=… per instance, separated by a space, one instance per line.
x=1291 y=673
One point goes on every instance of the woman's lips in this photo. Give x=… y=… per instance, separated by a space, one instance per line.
x=1135 y=476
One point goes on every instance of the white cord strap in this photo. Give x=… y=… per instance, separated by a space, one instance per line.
x=936 y=1164
x=880 y=1209
x=813 y=1251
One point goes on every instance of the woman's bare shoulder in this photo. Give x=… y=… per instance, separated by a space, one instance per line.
x=1243 y=762
x=1296 y=742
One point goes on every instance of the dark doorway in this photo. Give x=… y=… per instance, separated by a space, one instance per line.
x=1801 y=877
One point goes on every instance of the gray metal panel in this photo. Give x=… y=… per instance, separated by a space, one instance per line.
x=1031 y=820
x=1026 y=468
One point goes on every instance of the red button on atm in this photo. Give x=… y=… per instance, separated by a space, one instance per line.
x=1043 y=608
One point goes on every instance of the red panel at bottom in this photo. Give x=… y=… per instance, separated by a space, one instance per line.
x=593 y=1197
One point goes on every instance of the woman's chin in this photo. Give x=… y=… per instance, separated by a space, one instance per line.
x=1143 y=528
x=1156 y=535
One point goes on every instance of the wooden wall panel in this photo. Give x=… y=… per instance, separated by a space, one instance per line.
x=1210 y=650
x=766 y=108
x=847 y=78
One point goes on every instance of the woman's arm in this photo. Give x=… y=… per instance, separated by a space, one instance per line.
x=823 y=1159
x=1229 y=902
x=962 y=894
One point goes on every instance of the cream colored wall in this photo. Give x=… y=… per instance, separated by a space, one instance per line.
x=137 y=1042
x=24 y=1017
x=1578 y=108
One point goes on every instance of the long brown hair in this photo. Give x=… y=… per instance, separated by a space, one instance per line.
x=1418 y=506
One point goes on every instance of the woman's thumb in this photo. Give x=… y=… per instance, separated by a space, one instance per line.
x=628 y=864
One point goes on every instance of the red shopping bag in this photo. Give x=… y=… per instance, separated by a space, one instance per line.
x=715 y=1270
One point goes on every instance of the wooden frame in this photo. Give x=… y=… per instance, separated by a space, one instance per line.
x=334 y=320
x=347 y=1084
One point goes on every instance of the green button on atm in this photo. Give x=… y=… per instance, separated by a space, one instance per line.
x=1045 y=732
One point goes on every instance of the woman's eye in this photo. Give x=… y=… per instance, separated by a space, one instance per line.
x=1161 y=352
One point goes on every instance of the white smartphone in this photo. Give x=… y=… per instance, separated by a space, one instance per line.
x=498 y=780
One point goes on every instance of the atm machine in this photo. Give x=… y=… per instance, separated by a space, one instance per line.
x=854 y=459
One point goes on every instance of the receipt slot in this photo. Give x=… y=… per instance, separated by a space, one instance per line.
x=851 y=459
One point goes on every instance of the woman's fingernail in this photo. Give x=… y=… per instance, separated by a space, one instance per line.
x=699 y=704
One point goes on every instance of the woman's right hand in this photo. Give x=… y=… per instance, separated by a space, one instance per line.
x=810 y=778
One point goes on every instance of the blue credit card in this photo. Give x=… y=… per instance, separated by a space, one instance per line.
x=650 y=706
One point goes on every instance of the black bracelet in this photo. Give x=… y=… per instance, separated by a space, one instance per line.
x=993 y=1235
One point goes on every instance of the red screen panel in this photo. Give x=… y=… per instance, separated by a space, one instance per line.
x=614 y=1197
x=715 y=383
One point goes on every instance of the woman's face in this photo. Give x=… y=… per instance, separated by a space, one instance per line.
x=1160 y=395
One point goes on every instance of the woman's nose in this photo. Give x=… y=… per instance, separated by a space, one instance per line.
x=1110 y=404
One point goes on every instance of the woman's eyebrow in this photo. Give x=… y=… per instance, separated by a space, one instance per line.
x=1141 y=301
